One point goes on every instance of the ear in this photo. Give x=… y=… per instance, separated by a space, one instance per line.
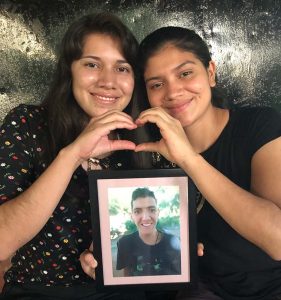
x=158 y=212
x=212 y=73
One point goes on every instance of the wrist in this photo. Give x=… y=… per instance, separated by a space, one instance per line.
x=191 y=163
x=71 y=158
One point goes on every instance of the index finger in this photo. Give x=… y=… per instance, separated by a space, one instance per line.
x=152 y=114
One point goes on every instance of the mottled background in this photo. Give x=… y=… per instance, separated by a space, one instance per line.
x=244 y=37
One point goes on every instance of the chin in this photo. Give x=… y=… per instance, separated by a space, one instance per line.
x=147 y=230
x=185 y=121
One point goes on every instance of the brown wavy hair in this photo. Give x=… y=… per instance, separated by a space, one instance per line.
x=65 y=117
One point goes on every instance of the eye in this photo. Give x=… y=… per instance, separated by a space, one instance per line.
x=137 y=211
x=185 y=74
x=92 y=65
x=153 y=210
x=124 y=69
x=156 y=85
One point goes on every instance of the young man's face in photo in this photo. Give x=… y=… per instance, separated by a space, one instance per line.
x=145 y=214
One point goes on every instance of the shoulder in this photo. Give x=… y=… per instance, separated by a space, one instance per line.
x=127 y=238
x=256 y=125
x=255 y=115
x=23 y=126
x=26 y=112
x=171 y=239
x=247 y=121
x=169 y=236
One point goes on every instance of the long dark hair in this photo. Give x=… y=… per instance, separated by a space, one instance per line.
x=65 y=118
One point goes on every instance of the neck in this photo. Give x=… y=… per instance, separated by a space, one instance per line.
x=204 y=132
x=150 y=239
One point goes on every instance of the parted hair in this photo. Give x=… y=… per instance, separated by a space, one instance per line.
x=65 y=118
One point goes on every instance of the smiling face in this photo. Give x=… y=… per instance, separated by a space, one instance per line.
x=102 y=79
x=145 y=215
x=177 y=81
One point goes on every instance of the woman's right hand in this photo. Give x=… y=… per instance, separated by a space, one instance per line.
x=94 y=140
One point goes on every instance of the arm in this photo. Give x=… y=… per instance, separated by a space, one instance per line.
x=256 y=215
x=22 y=217
x=4 y=266
x=123 y=256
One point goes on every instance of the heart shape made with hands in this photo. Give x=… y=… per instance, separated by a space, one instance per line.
x=148 y=132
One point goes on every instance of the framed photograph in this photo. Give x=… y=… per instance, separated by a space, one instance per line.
x=144 y=228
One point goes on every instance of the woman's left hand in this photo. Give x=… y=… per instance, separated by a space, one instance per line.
x=174 y=145
x=88 y=262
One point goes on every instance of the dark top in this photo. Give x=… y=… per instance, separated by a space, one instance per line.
x=141 y=259
x=233 y=266
x=52 y=256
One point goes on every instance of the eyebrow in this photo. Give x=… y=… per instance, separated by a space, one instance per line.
x=187 y=62
x=121 y=61
x=152 y=206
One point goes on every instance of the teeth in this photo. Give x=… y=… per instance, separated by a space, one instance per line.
x=146 y=225
x=106 y=98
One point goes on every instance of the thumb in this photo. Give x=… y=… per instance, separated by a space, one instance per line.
x=147 y=147
x=89 y=259
x=88 y=263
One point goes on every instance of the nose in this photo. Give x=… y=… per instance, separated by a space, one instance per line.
x=107 y=79
x=145 y=215
x=174 y=90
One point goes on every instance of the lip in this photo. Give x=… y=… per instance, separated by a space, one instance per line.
x=173 y=110
x=146 y=225
x=105 y=98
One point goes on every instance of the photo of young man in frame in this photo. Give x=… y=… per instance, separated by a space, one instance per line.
x=152 y=212
x=151 y=245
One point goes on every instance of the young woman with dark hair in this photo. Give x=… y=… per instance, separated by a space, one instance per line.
x=45 y=152
x=232 y=156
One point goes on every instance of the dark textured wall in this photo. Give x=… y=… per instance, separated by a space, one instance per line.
x=244 y=37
